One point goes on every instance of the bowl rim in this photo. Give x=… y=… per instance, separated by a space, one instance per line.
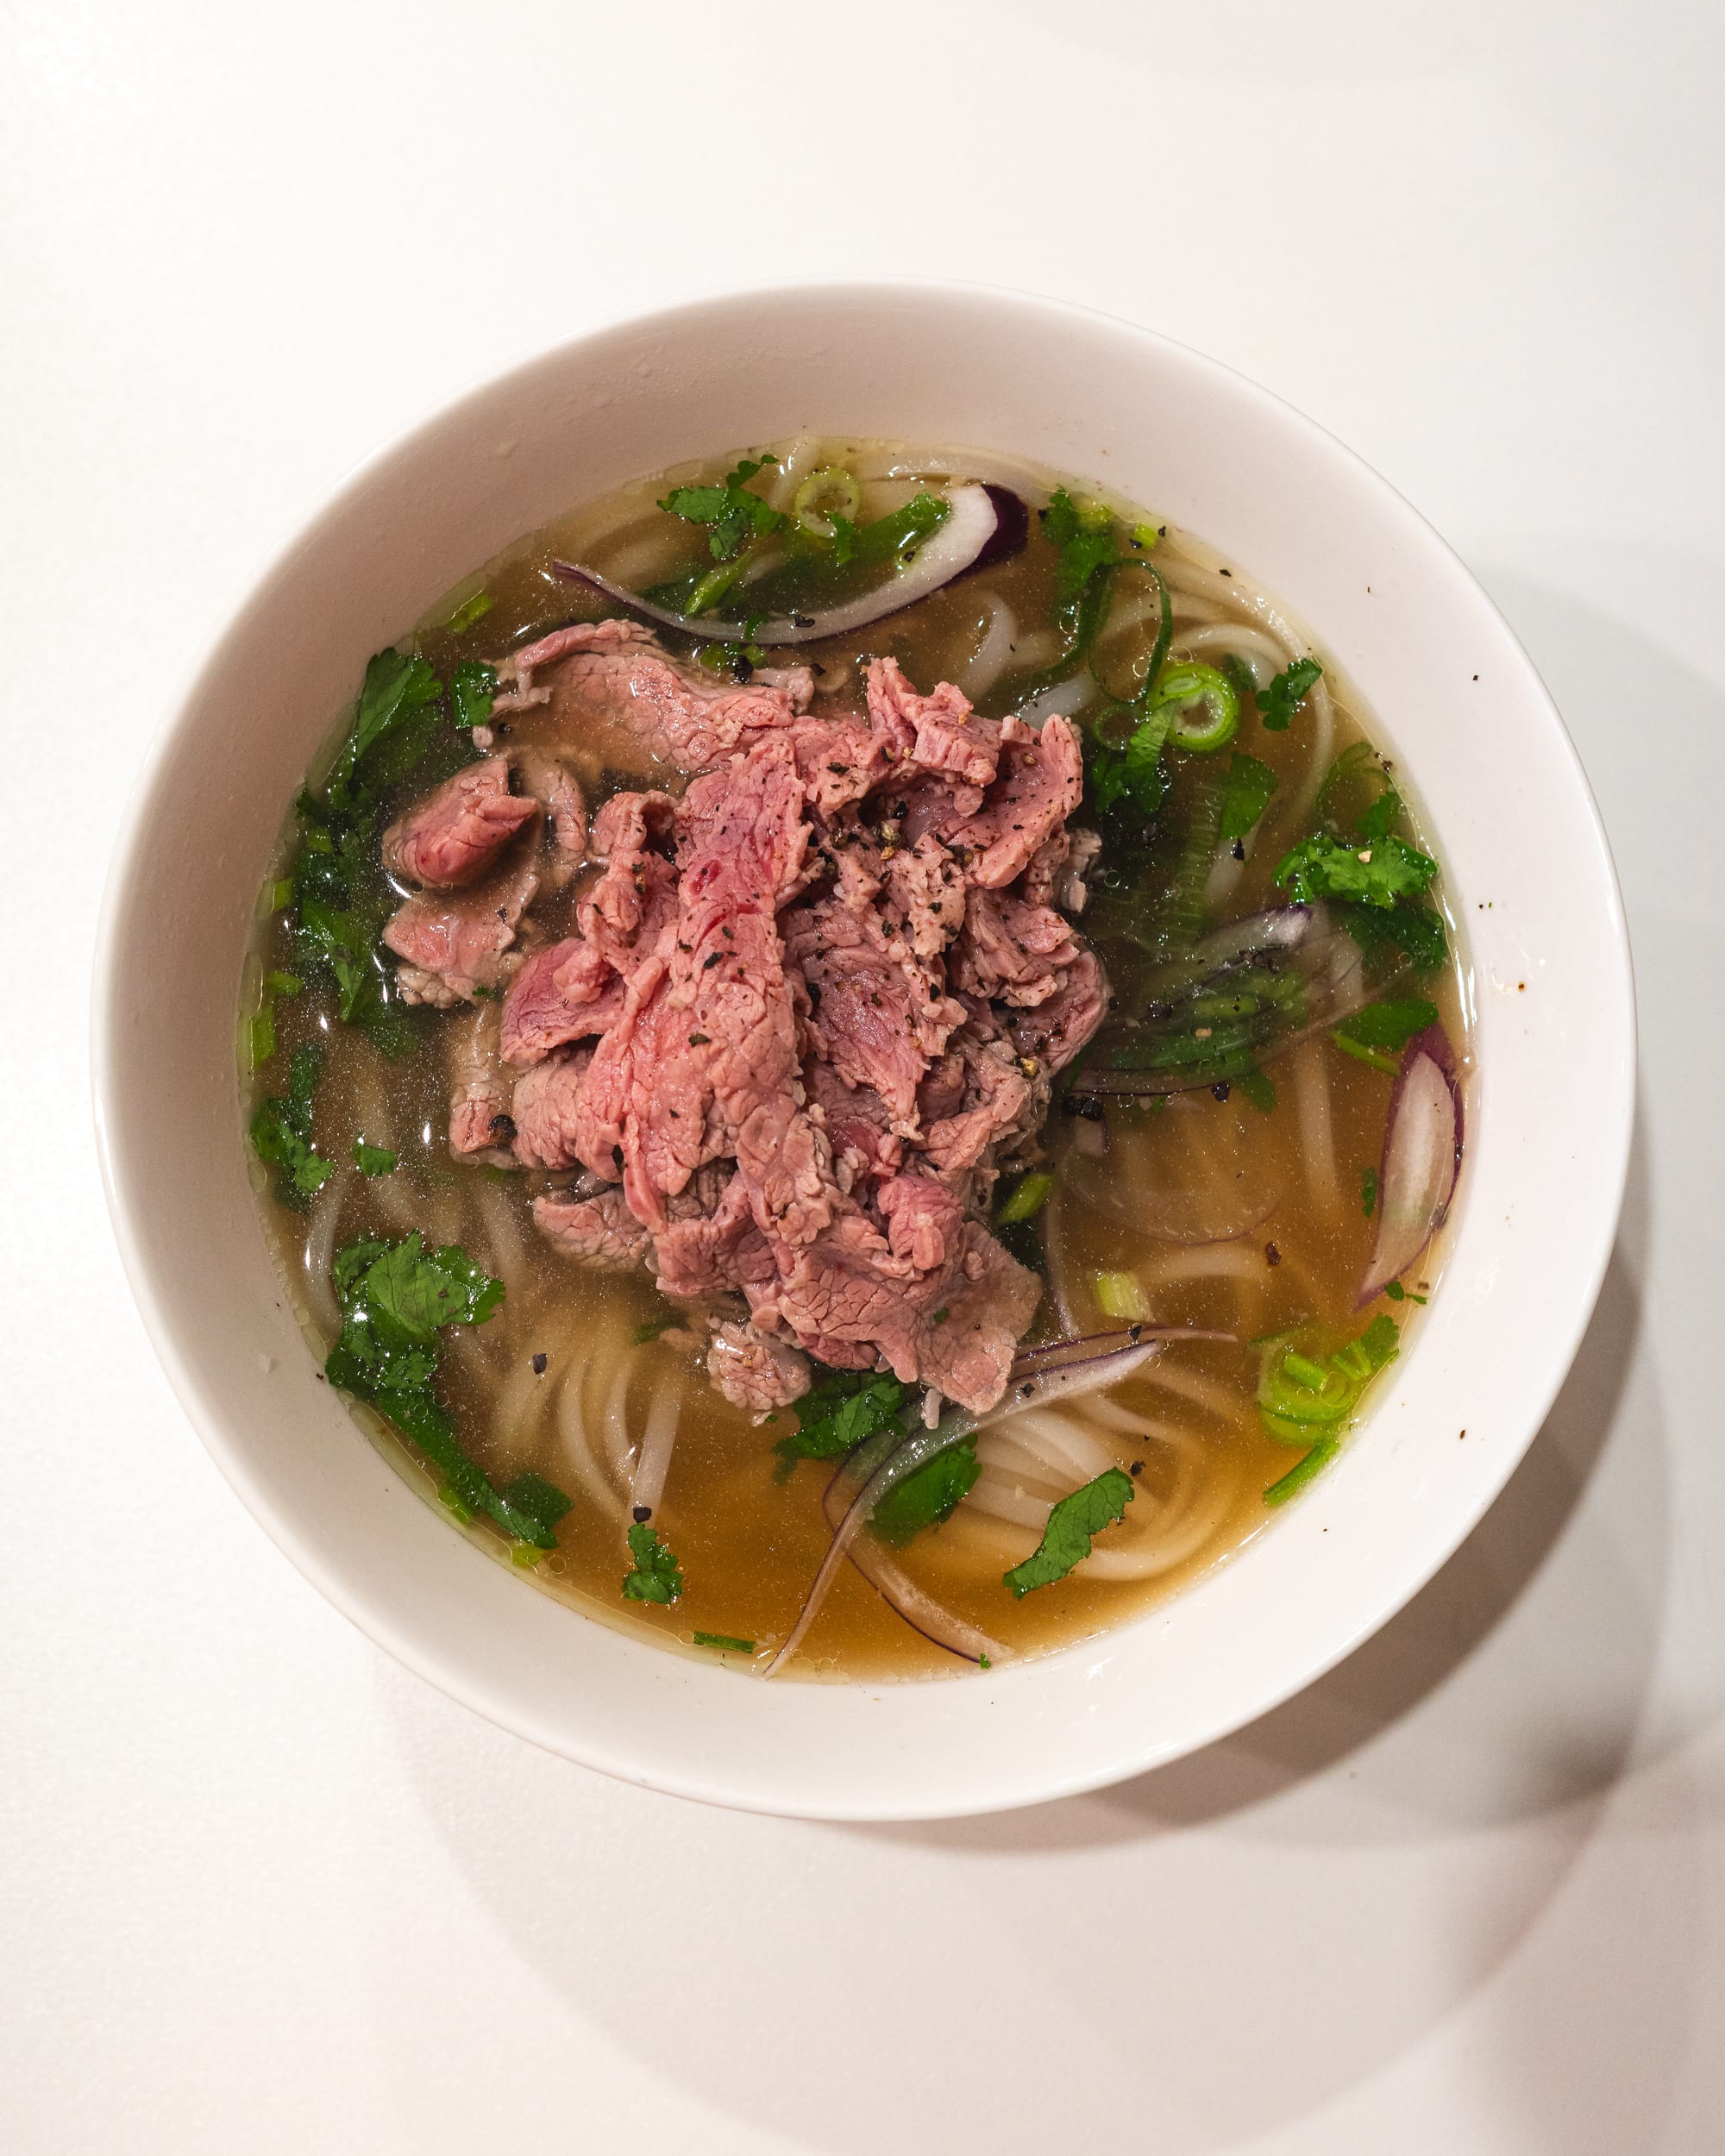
x=371 y=1610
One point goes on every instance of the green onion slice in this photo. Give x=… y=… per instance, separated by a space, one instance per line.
x=1203 y=706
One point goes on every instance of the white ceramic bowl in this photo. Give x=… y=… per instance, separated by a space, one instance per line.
x=1457 y=702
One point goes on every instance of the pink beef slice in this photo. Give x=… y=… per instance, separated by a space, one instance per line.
x=1054 y=1033
x=858 y=1128
x=843 y=760
x=599 y=1231
x=481 y=1126
x=988 y=1305
x=551 y=783
x=457 y=946
x=451 y=838
x=625 y=911
x=880 y=1013
x=947 y=738
x=614 y=676
x=755 y=1371
x=704 y=1061
x=1012 y=951
x=995 y=1095
x=1041 y=783
x=545 y=1109
x=566 y=992
x=923 y=1220
x=957 y=1326
x=711 y=1250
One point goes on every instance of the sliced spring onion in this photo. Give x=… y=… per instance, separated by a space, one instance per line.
x=723 y=1643
x=1026 y=1198
x=1203 y=706
x=1304 y=1470
x=1361 y=1054
x=1120 y=1295
x=474 y=608
x=714 y=585
x=823 y=495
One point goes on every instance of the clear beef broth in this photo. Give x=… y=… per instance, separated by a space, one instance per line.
x=1232 y=1214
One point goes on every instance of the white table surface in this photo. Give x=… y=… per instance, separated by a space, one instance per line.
x=262 y=1891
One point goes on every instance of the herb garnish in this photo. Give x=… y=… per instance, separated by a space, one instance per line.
x=395 y=1299
x=723 y=1642
x=1072 y=1525
x=1278 y=703
x=1368 y=1191
x=835 y=1416
x=732 y=515
x=928 y=1495
x=1376 y=874
x=373 y=1160
x=281 y=1131
x=1245 y=793
x=657 y=1577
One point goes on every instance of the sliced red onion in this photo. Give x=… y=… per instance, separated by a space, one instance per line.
x=1011 y=527
x=1422 y=1157
x=957 y=544
x=1030 y=1361
x=894 y=1585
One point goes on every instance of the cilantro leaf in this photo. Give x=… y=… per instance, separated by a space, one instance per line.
x=1072 y=1525
x=398 y=687
x=472 y=687
x=1368 y=1191
x=373 y=1160
x=395 y=1298
x=1278 y=703
x=1083 y=533
x=1376 y=874
x=1130 y=779
x=1245 y=793
x=1408 y=929
x=732 y=515
x=928 y=1495
x=281 y=1132
x=835 y=1415
x=656 y=1576
x=1389 y=1025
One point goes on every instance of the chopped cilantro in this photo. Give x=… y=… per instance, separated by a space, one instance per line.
x=1245 y=793
x=1377 y=875
x=1083 y=535
x=281 y=1131
x=1397 y=1293
x=732 y=515
x=395 y=1299
x=1407 y=929
x=643 y=1334
x=835 y=1416
x=1258 y=1089
x=473 y=686
x=1130 y=779
x=1239 y=676
x=373 y=1160
x=398 y=691
x=1072 y=1525
x=656 y=1576
x=725 y=1643
x=928 y=1495
x=984 y=1663
x=1389 y=1026
x=1278 y=703
x=1368 y=1191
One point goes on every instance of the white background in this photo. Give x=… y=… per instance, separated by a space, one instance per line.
x=262 y=1890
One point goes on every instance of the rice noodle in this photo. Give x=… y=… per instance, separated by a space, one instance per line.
x=320 y=1252
x=1207 y=1393
x=1317 y=1137
x=520 y=1407
x=619 y=1449
x=658 y=1437
x=502 y=1228
x=1260 y=651
x=1064 y=699
x=577 y=1448
x=995 y=653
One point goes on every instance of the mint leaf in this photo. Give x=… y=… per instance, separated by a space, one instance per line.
x=1072 y=1525
x=657 y=1577
x=928 y=1495
x=1278 y=703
